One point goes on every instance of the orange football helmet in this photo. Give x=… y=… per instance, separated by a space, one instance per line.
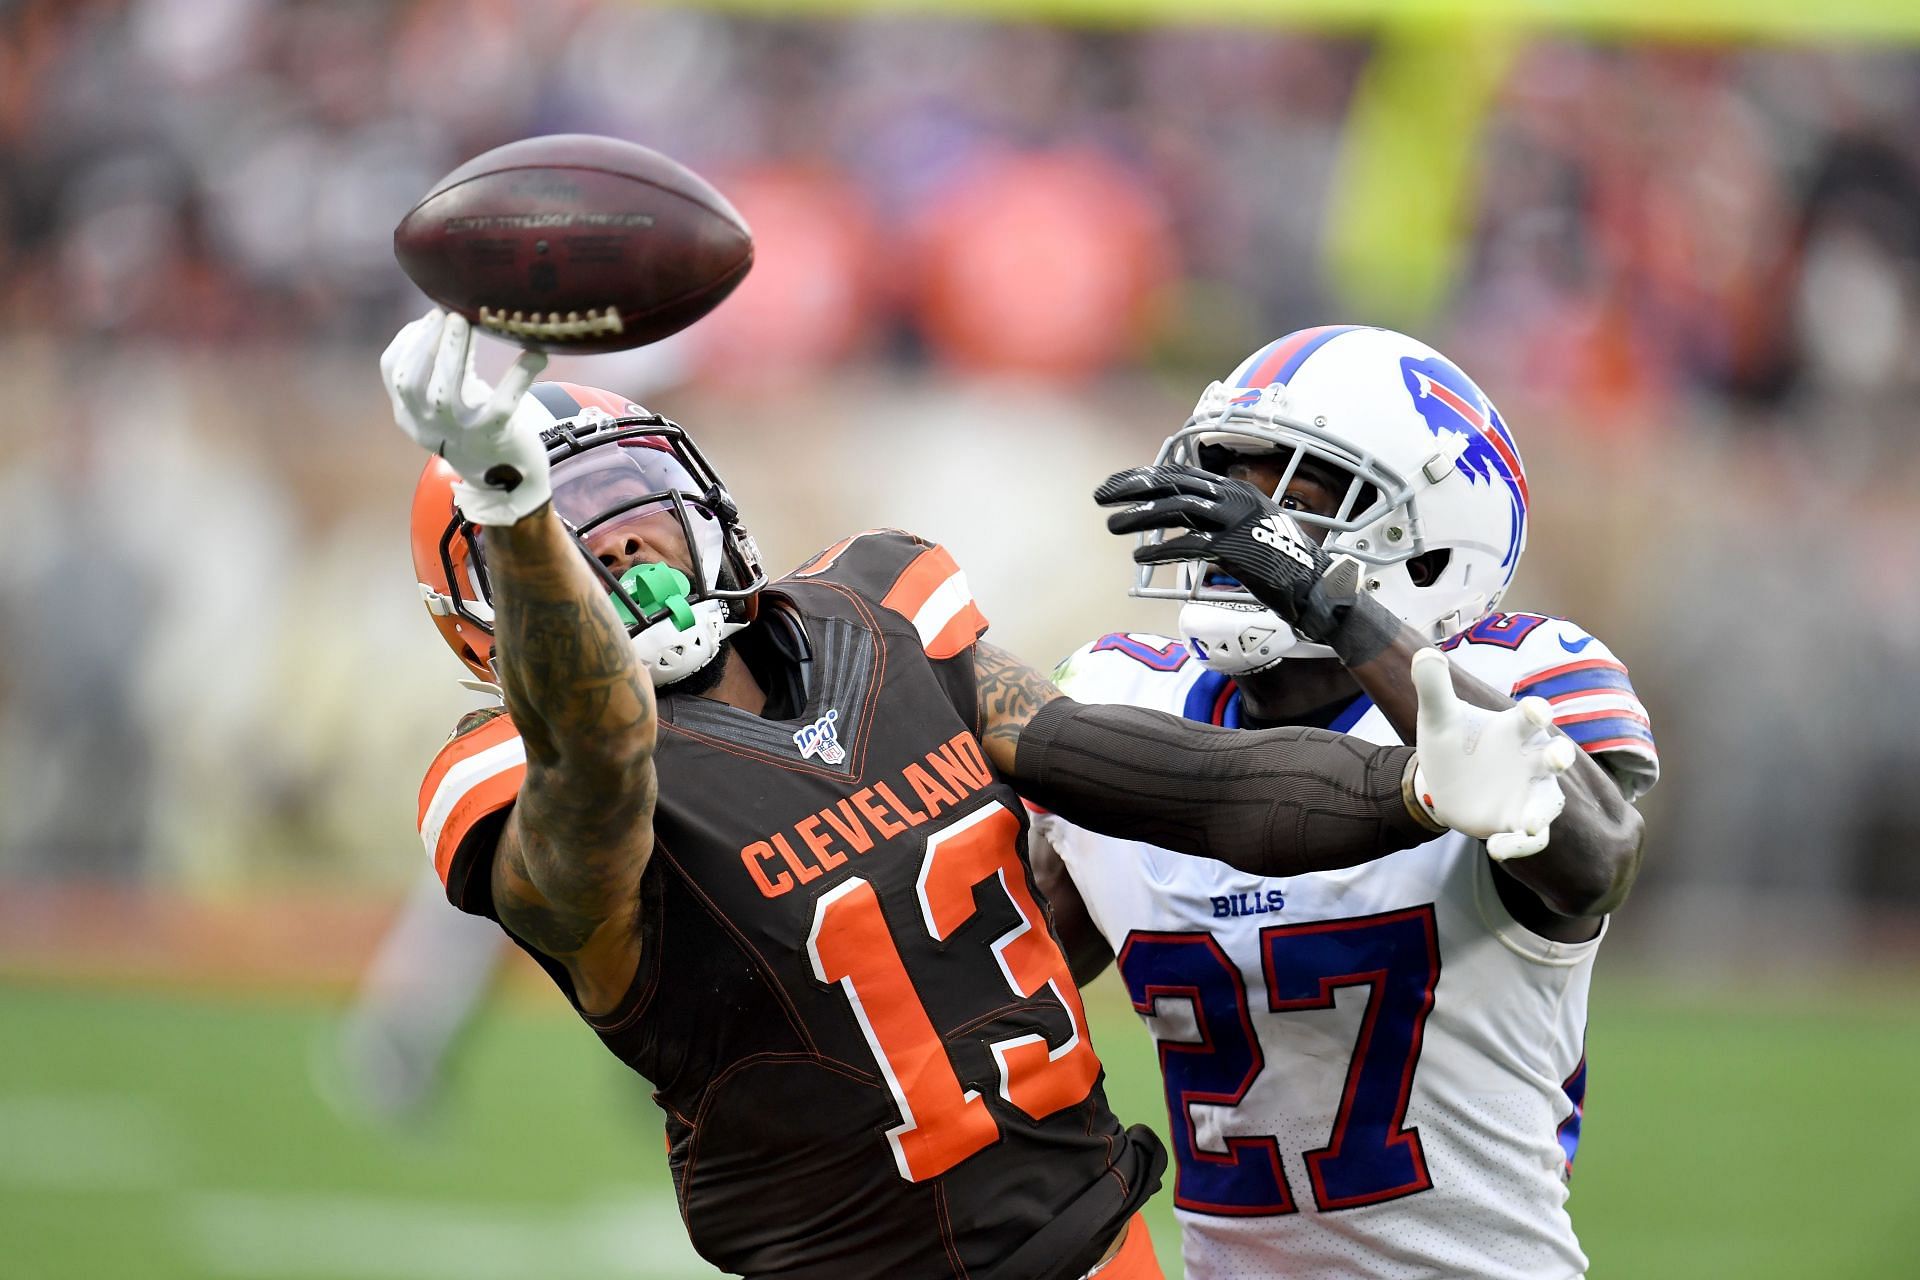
x=658 y=467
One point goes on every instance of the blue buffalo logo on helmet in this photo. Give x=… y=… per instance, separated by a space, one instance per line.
x=1449 y=402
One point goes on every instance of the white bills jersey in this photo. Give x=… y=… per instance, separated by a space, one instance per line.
x=1372 y=1072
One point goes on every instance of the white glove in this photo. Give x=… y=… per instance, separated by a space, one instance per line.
x=1494 y=775
x=490 y=436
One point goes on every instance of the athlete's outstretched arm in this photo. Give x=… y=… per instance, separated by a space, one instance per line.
x=567 y=871
x=1273 y=802
x=567 y=868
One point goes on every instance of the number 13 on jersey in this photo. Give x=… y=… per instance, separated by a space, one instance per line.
x=942 y=1123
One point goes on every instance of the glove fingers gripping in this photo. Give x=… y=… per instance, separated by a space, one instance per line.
x=1189 y=546
x=408 y=365
x=445 y=398
x=1439 y=705
x=1543 y=806
x=1177 y=511
x=1515 y=844
x=1141 y=483
x=513 y=385
x=1545 y=799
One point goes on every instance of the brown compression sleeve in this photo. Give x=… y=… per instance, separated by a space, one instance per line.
x=1273 y=802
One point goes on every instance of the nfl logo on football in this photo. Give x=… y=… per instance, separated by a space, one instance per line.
x=819 y=739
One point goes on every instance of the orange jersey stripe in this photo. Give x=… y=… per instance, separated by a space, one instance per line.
x=464 y=747
x=485 y=797
x=919 y=580
x=961 y=630
x=932 y=593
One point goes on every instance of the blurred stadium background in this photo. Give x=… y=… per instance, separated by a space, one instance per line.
x=1679 y=244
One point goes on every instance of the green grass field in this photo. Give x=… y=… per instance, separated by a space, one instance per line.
x=171 y=1136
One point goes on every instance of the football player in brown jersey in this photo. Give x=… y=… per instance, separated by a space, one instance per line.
x=768 y=839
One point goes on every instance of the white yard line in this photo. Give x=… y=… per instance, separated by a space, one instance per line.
x=85 y=1142
x=635 y=1235
x=110 y=1144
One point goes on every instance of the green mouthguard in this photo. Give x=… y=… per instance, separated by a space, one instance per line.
x=654 y=587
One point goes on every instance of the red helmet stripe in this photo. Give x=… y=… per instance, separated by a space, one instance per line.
x=1478 y=421
x=1272 y=364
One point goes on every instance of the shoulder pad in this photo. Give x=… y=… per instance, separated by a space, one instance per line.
x=1588 y=687
x=1123 y=666
x=474 y=719
x=476 y=774
x=910 y=576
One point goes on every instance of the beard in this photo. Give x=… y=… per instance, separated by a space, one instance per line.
x=704 y=681
x=700 y=683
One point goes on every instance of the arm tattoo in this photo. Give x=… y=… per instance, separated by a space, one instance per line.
x=585 y=709
x=567 y=666
x=576 y=834
x=1010 y=692
x=560 y=934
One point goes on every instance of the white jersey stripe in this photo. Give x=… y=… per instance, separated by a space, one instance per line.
x=1611 y=700
x=948 y=599
x=464 y=777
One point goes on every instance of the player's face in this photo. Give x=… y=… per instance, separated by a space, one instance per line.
x=612 y=477
x=652 y=536
x=1315 y=487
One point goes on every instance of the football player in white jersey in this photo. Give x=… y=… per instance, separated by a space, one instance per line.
x=1375 y=1071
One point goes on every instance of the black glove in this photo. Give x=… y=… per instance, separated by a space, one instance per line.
x=1233 y=525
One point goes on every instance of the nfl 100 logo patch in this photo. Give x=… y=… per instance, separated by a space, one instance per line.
x=821 y=739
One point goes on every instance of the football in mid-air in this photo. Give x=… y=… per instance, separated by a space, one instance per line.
x=575 y=242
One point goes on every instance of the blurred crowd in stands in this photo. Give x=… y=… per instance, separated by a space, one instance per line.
x=1690 y=276
x=1653 y=221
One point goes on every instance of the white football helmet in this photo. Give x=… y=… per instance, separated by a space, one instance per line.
x=1435 y=481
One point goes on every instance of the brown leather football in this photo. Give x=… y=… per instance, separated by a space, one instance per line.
x=575 y=242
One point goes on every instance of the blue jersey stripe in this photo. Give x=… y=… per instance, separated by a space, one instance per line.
x=1585 y=731
x=1591 y=680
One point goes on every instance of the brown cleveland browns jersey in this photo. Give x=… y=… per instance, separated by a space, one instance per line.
x=850 y=1002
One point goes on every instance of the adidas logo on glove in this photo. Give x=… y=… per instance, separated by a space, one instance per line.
x=1271 y=531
